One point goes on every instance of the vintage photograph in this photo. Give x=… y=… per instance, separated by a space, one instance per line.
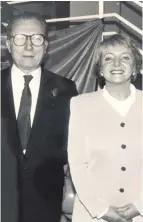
x=71 y=111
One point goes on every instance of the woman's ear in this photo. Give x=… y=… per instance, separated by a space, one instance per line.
x=134 y=74
x=134 y=71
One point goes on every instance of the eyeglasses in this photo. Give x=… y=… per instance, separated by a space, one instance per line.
x=21 y=39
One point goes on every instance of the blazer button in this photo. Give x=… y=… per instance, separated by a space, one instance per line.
x=122 y=124
x=123 y=168
x=121 y=190
x=123 y=146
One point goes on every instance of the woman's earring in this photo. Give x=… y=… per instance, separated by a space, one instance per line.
x=133 y=76
x=134 y=71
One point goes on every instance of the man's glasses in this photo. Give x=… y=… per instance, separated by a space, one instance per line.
x=21 y=39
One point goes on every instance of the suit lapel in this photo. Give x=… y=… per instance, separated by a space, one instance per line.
x=47 y=97
x=8 y=114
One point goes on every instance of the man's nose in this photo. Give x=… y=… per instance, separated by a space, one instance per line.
x=28 y=44
x=117 y=61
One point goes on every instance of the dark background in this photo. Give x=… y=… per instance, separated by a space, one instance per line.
x=47 y=9
x=61 y=9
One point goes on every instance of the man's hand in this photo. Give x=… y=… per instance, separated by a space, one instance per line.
x=128 y=211
x=113 y=216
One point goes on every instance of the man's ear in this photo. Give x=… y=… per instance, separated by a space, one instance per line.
x=8 y=45
x=101 y=72
x=46 y=45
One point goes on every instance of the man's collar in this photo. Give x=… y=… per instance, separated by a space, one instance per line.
x=34 y=73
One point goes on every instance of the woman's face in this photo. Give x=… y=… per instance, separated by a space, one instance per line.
x=117 y=64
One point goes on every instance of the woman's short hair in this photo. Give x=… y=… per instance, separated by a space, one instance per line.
x=118 y=39
x=26 y=16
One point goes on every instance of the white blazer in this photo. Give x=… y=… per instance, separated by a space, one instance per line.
x=105 y=156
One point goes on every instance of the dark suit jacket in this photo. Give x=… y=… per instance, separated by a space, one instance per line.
x=32 y=184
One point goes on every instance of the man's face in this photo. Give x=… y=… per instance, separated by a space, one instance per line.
x=27 y=57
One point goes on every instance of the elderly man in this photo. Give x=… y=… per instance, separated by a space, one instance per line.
x=35 y=111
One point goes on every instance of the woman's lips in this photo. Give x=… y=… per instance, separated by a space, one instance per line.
x=114 y=72
x=27 y=56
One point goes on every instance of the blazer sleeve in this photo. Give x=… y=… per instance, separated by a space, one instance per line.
x=139 y=205
x=78 y=161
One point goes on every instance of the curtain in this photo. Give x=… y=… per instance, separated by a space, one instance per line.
x=71 y=53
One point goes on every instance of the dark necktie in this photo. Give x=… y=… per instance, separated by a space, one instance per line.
x=23 y=119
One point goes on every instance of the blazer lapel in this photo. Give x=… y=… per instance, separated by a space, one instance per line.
x=8 y=115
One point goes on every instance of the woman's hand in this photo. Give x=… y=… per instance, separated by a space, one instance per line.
x=128 y=211
x=112 y=215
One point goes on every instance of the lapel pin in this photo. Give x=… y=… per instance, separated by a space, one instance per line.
x=54 y=92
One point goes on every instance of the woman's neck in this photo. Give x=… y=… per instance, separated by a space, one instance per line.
x=118 y=91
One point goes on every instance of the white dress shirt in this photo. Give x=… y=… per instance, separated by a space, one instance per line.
x=121 y=106
x=18 y=86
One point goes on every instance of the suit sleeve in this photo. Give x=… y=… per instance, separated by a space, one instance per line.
x=78 y=160
x=72 y=89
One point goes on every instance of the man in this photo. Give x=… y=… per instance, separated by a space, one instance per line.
x=35 y=111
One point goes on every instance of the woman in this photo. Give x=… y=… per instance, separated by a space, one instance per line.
x=105 y=140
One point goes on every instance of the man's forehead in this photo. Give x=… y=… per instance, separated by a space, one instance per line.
x=28 y=25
